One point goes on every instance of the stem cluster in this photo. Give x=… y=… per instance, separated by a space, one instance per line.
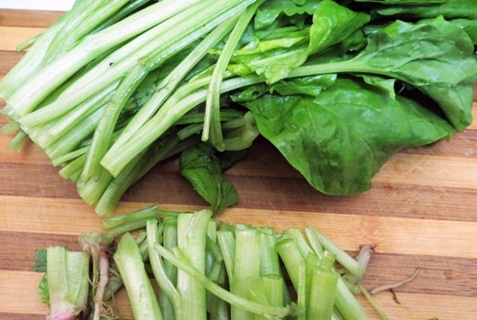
x=210 y=270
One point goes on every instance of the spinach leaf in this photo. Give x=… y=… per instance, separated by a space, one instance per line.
x=450 y=9
x=405 y=2
x=332 y=24
x=270 y=12
x=287 y=47
x=469 y=26
x=339 y=139
x=435 y=56
x=202 y=166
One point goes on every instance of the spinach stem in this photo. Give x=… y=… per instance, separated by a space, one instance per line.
x=138 y=286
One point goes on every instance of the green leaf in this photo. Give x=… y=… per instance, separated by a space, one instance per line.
x=274 y=65
x=434 y=56
x=333 y=23
x=339 y=139
x=469 y=26
x=450 y=9
x=43 y=292
x=40 y=260
x=201 y=166
x=311 y=86
x=271 y=11
x=386 y=84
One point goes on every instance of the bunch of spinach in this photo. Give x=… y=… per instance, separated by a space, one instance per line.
x=337 y=86
x=410 y=85
x=348 y=111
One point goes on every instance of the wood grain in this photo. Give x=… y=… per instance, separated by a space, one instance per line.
x=420 y=213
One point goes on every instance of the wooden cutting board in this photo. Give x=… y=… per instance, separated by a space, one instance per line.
x=421 y=212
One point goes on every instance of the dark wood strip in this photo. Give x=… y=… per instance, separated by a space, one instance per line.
x=34 y=180
x=408 y=201
x=28 y=18
x=165 y=185
x=19 y=316
x=20 y=255
x=295 y=194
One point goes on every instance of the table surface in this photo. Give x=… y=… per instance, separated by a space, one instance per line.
x=421 y=212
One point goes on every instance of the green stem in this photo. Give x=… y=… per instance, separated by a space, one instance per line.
x=166 y=286
x=246 y=267
x=191 y=235
x=67 y=273
x=121 y=14
x=212 y=129
x=73 y=138
x=28 y=96
x=134 y=171
x=291 y=257
x=348 y=262
x=227 y=247
x=46 y=136
x=183 y=36
x=29 y=64
x=103 y=133
x=379 y=310
x=143 y=300
x=269 y=311
x=323 y=289
x=86 y=16
x=116 y=159
x=170 y=83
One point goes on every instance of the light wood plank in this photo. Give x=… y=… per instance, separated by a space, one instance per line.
x=18 y=293
x=28 y=18
x=12 y=37
x=389 y=234
x=430 y=171
x=425 y=306
x=30 y=154
x=47 y=215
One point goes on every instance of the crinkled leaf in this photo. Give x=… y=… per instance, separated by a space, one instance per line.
x=332 y=24
x=339 y=139
x=273 y=56
x=270 y=11
x=386 y=84
x=43 y=292
x=469 y=26
x=450 y=9
x=203 y=168
x=434 y=56
x=274 y=65
x=311 y=86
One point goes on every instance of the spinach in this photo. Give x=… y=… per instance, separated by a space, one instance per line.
x=434 y=56
x=339 y=138
x=332 y=24
x=338 y=133
x=450 y=9
x=337 y=86
x=202 y=166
